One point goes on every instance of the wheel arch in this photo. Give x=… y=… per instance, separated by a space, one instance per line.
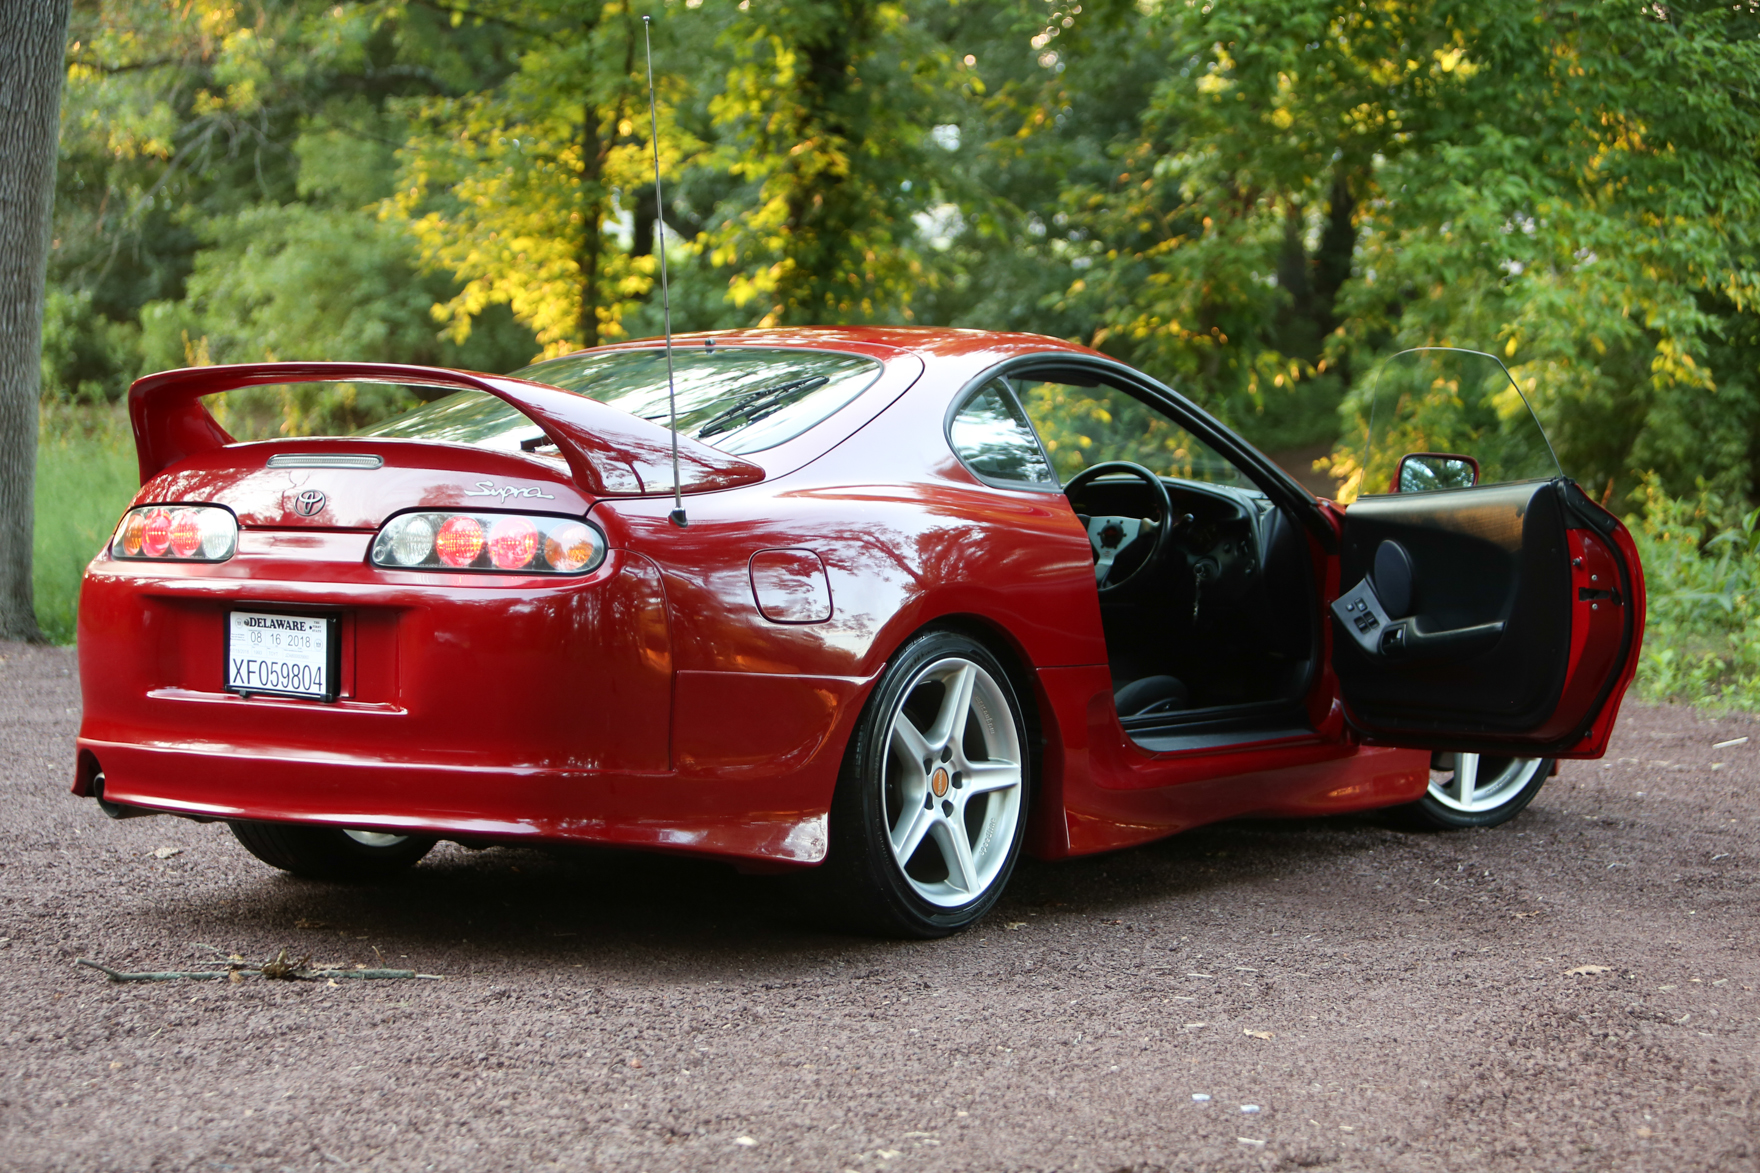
x=1018 y=664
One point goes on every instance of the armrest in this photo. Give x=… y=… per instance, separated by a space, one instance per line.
x=1412 y=639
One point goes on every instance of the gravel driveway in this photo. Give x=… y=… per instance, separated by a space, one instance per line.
x=1576 y=990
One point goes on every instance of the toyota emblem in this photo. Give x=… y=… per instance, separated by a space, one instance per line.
x=309 y=503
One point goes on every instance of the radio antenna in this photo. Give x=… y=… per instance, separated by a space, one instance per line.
x=677 y=517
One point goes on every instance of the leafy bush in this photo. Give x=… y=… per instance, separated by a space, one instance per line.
x=1702 y=570
x=87 y=358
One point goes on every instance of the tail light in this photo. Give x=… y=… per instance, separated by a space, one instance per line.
x=176 y=533
x=505 y=542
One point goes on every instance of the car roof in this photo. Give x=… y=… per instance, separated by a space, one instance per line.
x=923 y=341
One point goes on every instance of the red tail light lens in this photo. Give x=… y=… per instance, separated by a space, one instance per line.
x=512 y=542
x=158 y=537
x=176 y=533
x=460 y=540
x=503 y=542
x=186 y=534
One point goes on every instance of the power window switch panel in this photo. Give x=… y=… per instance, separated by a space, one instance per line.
x=1362 y=616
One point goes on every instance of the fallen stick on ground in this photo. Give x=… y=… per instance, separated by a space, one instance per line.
x=287 y=973
x=117 y=975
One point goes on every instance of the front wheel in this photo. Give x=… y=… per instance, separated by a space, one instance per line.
x=331 y=853
x=1476 y=790
x=931 y=808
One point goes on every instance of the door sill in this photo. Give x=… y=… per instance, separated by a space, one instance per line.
x=1221 y=728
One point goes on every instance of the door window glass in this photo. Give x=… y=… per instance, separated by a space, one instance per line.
x=1445 y=401
x=995 y=440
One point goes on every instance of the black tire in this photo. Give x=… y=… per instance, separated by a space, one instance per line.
x=962 y=792
x=329 y=853
x=1511 y=784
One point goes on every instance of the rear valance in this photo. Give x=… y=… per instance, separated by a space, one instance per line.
x=610 y=453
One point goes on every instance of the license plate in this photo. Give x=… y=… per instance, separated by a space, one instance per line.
x=283 y=655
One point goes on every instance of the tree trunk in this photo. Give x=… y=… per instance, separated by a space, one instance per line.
x=32 y=49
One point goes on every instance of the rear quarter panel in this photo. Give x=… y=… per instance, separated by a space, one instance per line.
x=907 y=538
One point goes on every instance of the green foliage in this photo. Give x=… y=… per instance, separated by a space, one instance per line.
x=1702 y=572
x=1042 y=112
x=508 y=189
x=825 y=115
x=221 y=169
x=1083 y=426
x=86 y=476
x=1253 y=202
x=85 y=354
x=1439 y=401
x=1320 y=182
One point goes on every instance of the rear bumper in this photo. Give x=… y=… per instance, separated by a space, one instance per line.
x=475 y=804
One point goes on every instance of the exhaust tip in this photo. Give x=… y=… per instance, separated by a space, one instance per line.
x=87 y=774
x=95 y=786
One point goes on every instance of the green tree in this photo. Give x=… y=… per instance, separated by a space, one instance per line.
x=1572 y=185
x=221 y=169
x=509 y=189
x=1045 y=99
x=825 y=118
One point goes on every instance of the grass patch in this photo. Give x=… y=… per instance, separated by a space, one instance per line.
x=86 y=476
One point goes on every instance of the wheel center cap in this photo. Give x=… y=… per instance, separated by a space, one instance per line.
x=938 y=782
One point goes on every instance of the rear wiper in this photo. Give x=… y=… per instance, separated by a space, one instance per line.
x=757 y=405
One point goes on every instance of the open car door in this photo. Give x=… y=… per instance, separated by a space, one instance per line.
x=1486 y=604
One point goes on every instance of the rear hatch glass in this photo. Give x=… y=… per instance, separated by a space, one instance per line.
x=736 y=399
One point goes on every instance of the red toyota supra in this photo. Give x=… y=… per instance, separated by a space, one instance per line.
x=893 y=604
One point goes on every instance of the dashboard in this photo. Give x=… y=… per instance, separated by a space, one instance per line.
x=1222 y=543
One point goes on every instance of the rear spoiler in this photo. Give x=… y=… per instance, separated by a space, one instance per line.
x=610 y=452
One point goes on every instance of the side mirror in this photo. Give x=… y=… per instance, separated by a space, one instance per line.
x=1423 y=472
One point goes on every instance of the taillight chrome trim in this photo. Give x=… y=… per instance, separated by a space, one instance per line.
x=468 y=541
x=175 y=532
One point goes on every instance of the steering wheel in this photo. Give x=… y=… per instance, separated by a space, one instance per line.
x=1112 y=535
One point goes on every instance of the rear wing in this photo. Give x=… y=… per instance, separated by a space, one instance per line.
x=611 y=453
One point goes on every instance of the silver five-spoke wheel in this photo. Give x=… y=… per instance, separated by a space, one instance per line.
x=931 y=809
x=1478 y=784
x=953 y=782
x=1478 y=790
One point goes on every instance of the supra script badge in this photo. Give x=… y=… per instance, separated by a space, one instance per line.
x=503 y=492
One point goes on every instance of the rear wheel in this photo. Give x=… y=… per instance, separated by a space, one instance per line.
x=331 y=853
x=1477 y=790
x=931 y=809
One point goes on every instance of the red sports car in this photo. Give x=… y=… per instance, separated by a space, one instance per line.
x=933 y=598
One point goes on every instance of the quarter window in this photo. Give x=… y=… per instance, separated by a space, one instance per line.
x=991 y=434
